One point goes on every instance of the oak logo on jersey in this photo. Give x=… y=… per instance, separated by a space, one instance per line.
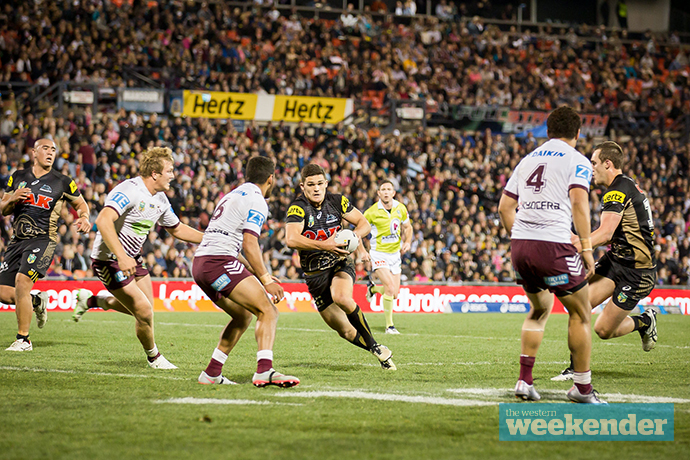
x=40 y=201
x=295 y=211
x=321 y=235
x=613 y=195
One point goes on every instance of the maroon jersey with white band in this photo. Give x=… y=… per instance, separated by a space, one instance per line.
x=242 y=210
x=541 y=184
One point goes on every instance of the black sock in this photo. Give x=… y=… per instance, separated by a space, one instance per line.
x=23 y=337
x=358 y=341
x=357 y=319
x=642 y=322
x=35 y=300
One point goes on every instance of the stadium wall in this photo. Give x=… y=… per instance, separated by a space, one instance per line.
x=185 y=295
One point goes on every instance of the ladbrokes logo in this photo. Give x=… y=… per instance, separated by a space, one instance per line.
x=213 y=104
x=586 y=422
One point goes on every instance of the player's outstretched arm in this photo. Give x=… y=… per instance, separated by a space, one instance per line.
x=105 y=222
x=507 y=210
x=186 y=233
x=252 y=252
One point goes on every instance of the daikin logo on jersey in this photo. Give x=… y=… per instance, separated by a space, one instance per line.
x=585 y=422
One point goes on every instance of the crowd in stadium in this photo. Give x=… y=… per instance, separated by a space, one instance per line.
x=449 y=180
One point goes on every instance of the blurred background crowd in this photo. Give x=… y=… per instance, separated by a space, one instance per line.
x=450 y=180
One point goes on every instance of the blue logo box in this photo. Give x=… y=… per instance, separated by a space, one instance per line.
x=585 y=422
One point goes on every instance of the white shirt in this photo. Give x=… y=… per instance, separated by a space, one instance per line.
x=541 y=183
x=139 y=211
x=242 y=210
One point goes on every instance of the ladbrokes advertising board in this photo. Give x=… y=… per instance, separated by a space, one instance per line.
x=187 y=296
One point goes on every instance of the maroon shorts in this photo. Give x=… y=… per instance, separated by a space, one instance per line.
x=217 y=276
x=541 y=265
x=108 y=271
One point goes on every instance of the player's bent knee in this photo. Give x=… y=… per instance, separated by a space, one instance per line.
x=603 y=333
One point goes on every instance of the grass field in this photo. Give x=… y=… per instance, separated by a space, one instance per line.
x=86 y=391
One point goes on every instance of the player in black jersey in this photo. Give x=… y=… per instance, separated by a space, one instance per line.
x=627 y=272
x=35 y=196
x=313 y=219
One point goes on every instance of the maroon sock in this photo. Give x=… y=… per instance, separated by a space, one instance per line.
x=92 y=302
x=526 y=365
x=585 y=388
x=214 y=368
x=153 y=358
x=263 y=365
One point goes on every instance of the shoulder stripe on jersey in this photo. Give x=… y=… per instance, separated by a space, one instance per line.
x=572 y=186
x=250 y=232
x=113 y=208
x=510 y=194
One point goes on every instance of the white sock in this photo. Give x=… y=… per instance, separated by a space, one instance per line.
x=219 y=356
x=583 y=378
x=102 y=301
x=152 y=352
x=264 y=354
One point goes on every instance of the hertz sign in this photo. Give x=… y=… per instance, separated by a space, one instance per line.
x=264 y=107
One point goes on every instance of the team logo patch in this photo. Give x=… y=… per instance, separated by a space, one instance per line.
x=331 y=218
x=45 y=188
x=622 y=297
x=221 y=282
x=584 y=172
x=142 y=206
x=119 y=276
x=256 y=218
x=618 y=197
x=557 y=280
x=22 y=184
x=31 y=259
x=311 y=221
x=120 y=199
x=295 y=211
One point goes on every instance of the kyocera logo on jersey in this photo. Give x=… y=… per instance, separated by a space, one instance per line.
x=40 y=201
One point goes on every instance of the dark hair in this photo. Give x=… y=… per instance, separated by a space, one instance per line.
x=259 y=169
x=312 y=169
x=611 y=151
x=563 y=123
x=386 y=181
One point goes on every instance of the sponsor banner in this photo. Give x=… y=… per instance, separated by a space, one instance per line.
x=79 y=97
x=585 y=422
x=141 y=100
x=215 y=104
x=187 y=296
x=309 y=109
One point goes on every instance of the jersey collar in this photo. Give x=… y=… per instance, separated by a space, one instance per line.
x=395 y=203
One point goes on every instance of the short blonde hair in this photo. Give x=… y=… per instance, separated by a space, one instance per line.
x=152 y=160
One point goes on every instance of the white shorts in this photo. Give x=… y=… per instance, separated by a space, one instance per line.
x=386 y=260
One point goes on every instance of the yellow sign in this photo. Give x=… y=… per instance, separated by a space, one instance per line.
x=309 y=109
x=614 y=196
x=295 y=211
x=214 y=104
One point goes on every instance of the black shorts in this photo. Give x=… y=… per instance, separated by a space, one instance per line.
x=319 y=284
x=29 y=257
x=632 y=284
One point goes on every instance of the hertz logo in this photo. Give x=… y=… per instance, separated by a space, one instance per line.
x=295 y=211
x=618 y=197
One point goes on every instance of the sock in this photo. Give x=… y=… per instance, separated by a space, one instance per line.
x=25 y=338
x=388 y=309
x=357 y=319
x=264 y=361
x=583 y=381
x=153 y=353
x=215 y=367
x=378 y=289
x=35 y=300
x=358 y=341
x=642 y=322
x=526 y=365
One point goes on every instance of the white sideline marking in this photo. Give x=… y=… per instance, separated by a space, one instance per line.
x=560 y=394
x=105 y=374
x=386 y=397
x=238 y=402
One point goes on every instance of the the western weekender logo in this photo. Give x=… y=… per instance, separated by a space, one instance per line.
x=586 y=422
x=214 y=104
x=309 y=109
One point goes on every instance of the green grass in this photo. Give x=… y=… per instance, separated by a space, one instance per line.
x=97 y=407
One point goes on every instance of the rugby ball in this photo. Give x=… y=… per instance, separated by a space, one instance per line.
x=347 y=240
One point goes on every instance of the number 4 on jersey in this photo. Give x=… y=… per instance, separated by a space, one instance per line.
x=536 y=178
